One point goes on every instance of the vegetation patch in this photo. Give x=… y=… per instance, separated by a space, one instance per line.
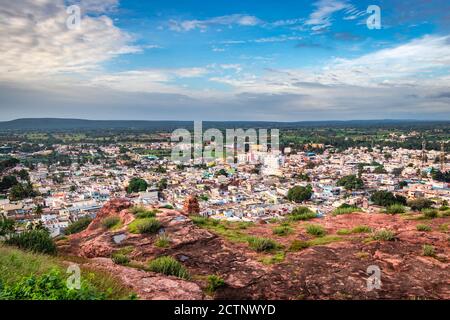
x=362 y=229
x=298 y=245
x=262 y=244
x=142 y=213
x=423 y=227
x=428 y=250
x=119 y=258
x=162 y=241
x=169 y=266
x=33 y=276
x=316 y=230
x=302 y=214
x=144 y=226
x=34 y=240
x=345 y=209
x=111 y=222
x=282 y=230
x=214 y=282
x=384 y=235
x=430 y=213
x=395 y=209
x=78 y=226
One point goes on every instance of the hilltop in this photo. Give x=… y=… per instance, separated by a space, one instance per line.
x=332 y=264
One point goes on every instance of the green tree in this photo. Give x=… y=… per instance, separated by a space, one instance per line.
x=299 y=194
x=6 y=226
x=386 y=198
x=351 y=182
x=137 y=185
x=162 y=184
x=420 y=203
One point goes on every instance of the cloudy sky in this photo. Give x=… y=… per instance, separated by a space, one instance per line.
x=225 y=60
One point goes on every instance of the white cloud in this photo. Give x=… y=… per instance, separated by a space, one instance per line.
x=321 y=17
x=229 y=20
x=35 y=42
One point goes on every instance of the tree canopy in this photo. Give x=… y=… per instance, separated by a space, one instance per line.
x=299 y=194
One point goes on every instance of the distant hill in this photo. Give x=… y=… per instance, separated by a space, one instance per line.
x=80 y=124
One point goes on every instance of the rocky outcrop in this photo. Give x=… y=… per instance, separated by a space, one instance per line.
x=191 y=205
x=337 y=270
x=149 y=285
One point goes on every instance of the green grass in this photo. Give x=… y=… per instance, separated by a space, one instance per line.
x=298 y=245
x=443 y=227
x=262 y=244
x=395 y=209
x=78 y=226
x=345 y=210
x=302 y=214
x=344 y=232
x=110 y=222
x=273 y=259
x=214 y=282
x=361 y=229
x=142 y=213
x=18 y=267
x=316 y=230
x=423 y=227
x=162 y=241
x=34 y=240
x=121 y=259
x=282 y=230
x=231 y=231
x=144 y=226
x=428 y=250
x=430 y=213
x=168 y=266
x=357 y=229
x=384 y=235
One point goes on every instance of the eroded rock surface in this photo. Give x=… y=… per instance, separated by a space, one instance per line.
x=337 y=270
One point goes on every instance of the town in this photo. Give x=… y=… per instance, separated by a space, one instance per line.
x=59 y=184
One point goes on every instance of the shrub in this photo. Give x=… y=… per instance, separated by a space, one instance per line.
x=420 y=204
x=423 y=227
x=444 y=208
x=6 y=226
x=214 y=282
x=299 y=194
x=78 y=226
x=302 y=213
x=395 y=209
x=141 y=213
x=386 y=198
x=48 y=286
x=384 y=235
x=144 y=226
x=315 y=230
x=351 y=182
x=33 y=240
x=430 y=213
x=343 y=232
x=428 y=250
x=162 y=241
x=282 y=230
x=168 y=266
x=262 y=244
x=110 y=222
x=199 y=220
x=119 y=258
x=361 y=229
x=345 y=210
x=298 y=245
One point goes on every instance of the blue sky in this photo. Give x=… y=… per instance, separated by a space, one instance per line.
x=225 y=60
